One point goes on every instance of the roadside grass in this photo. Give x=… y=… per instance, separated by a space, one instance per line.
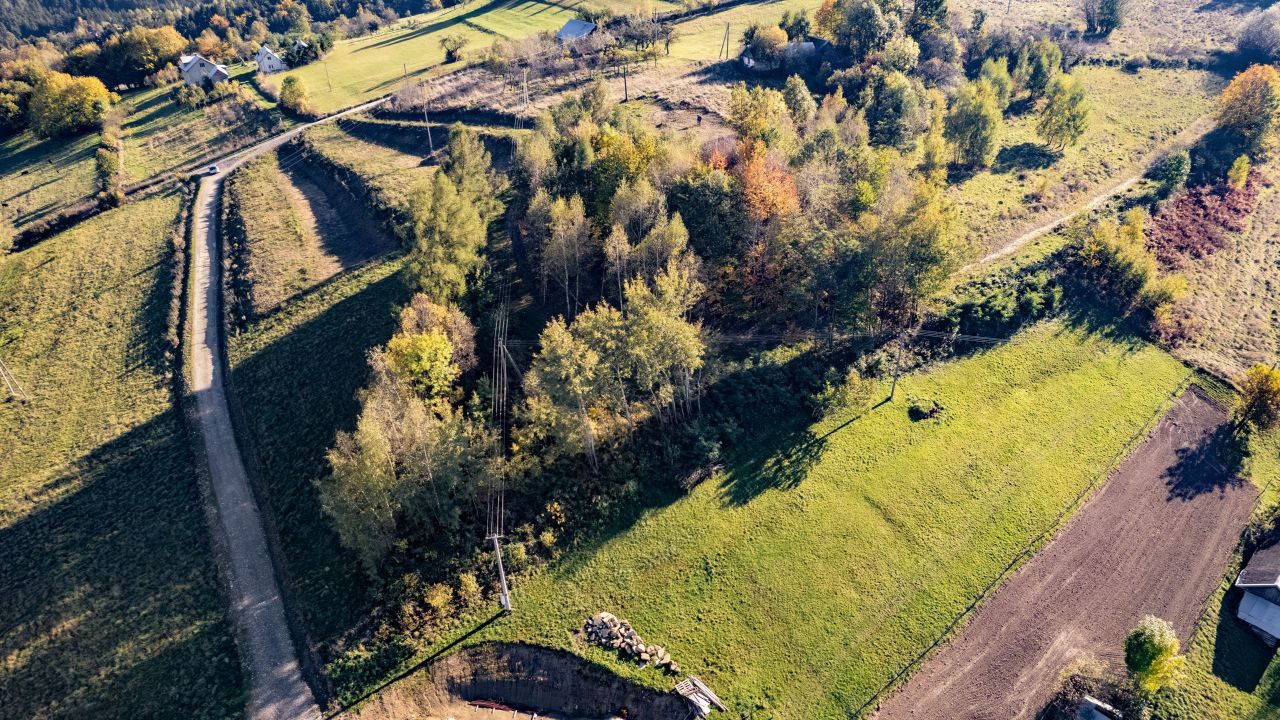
x=37 y=177
x=1132 y=116
x=111 y=607
x=159 y=136
x=798 y=582
x=294 y=377
x=370 y=66
x=1231 y=674
x=391 y=173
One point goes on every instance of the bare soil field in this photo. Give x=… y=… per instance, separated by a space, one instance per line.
x=1233 y=311
x=1176 y=28
x=550 y=683
x=1154 y=540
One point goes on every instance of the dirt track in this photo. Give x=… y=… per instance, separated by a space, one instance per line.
x=1154 y=540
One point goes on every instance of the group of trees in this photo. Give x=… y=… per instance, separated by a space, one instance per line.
x=47 y=101
x=1119 y=266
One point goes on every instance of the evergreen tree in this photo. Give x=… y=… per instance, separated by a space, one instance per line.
x=447 y=236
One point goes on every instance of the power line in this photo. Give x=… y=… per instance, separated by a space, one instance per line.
x=496 y=500
x=11 y=382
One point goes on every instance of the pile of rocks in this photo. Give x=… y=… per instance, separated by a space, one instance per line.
x=608 y=631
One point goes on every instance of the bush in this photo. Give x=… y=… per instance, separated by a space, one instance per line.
x=293 y=97
x=923 y=409
x=1172 y=172
x=1151 y=654
x=839 y=392
x=189 y=96
x=1238 y=175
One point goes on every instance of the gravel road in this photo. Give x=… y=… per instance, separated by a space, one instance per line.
x=276 y=688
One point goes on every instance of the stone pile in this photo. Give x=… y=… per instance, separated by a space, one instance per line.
x=608 y=631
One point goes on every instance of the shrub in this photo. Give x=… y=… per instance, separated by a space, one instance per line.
x=1238 y=175
x=189 y=96
x=1172 y=172
x=838 y=392
x=452 y=46
x=439 y=597
x=923 y=409
x=1104 y=16
x=1151 y=654
x=469 y=592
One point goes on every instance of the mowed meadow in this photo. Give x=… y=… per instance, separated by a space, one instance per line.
x=799 y=581
x=112 y=608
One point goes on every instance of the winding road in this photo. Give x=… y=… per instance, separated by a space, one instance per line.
x=276 y=688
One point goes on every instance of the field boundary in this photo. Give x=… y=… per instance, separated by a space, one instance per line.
x=1033 y=545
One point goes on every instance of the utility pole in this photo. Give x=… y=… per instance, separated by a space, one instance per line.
x=626 y=94
x=897 y=370
x=326 y=76
x=724 y=44
x=426 y=98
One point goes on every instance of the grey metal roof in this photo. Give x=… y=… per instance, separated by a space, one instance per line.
x=1263 y=569
x=575 y=30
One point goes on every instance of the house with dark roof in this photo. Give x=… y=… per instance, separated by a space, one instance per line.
x=1260 y=604
x=575 y=30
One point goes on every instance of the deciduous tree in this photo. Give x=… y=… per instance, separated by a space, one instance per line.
x=1250 y=106
x=1065 y=115
x=973 y=124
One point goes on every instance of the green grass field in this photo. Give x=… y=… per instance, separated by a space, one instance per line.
x=374 y=65
x=1132 y=116
x=295 y=375
x=37 y=177
x=111 y=602
x=284 y=256
x=801 y=580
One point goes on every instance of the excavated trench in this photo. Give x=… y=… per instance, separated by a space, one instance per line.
x=491 y=680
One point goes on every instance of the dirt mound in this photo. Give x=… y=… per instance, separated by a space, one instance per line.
x=550 y=682
x=1155 y=540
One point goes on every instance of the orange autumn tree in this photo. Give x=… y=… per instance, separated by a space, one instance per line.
x=769 y=190
x=1250 y=106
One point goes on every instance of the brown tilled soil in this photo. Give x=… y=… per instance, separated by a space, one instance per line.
x=1154 y=540
x=551 y=683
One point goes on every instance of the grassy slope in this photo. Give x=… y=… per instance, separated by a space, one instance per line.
x=393 y=174
x=285 y=257
x=59 y=171
x=370 y=66
x=111 y=606
x=1231 y=675
x=296 y=374
x=1132 y=115
x=160 y=136
x=801 y=602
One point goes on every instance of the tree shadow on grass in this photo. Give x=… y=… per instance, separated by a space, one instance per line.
x=1024 y=156
x=111 y=604
x=1239 y=657
x=289 y=399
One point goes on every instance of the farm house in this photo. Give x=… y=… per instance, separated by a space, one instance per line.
x=1260 y=604
x=269 y=61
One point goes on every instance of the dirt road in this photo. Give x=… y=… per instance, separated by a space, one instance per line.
x=1181 y=141
x=276 y=688
x=1153 y=541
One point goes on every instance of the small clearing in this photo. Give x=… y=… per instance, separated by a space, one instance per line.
x=1153 y=541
